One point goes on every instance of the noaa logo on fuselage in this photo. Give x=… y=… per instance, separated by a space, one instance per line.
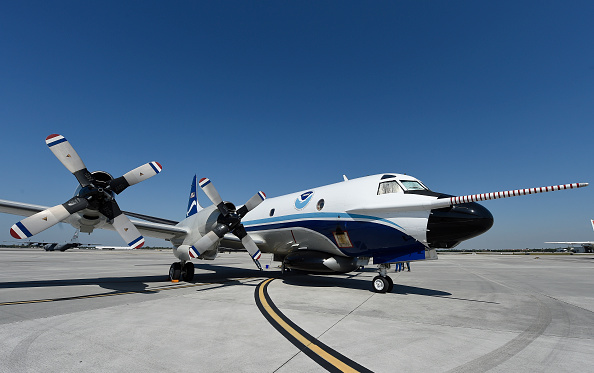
x=303 y=200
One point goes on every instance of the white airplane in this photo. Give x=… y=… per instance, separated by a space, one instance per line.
x=587 y=246
x=386 y=218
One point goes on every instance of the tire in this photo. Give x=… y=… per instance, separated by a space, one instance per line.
x=175 y=271
x=188 y=273
x=380 y=284
x=390 y=284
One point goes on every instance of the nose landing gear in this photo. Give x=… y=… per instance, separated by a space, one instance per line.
x=382 y=283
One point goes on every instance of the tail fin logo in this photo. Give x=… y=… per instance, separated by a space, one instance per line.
x=193 y=201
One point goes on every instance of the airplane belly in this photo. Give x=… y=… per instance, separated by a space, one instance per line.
x=343 y=234
x=284 y=241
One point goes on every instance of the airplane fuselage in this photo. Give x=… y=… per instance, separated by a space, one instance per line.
x=368 y=217
x=362 y=218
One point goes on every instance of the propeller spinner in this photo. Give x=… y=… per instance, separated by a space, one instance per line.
x=96 y=193
x=229 y=220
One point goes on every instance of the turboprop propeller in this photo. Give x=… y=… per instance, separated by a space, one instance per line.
x=229 y=220
x=97 y=191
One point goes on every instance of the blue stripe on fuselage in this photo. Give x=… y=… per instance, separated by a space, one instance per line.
x=370 y=236
x=318 y=215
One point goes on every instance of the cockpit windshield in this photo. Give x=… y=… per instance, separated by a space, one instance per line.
x=412 y=185
x=389 y=187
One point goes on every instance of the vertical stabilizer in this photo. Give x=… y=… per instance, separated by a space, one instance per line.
x=193 y=205
x=75 y=237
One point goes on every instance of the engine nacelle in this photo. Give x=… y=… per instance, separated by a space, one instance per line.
x=319 y=262
x=203 y=220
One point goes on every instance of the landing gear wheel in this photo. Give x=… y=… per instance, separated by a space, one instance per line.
x=380 y=284
x=390 y=284
x=284 y=270
x=175 y=272
x=188 y=272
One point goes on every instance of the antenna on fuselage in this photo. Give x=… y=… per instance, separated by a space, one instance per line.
x=345 y=178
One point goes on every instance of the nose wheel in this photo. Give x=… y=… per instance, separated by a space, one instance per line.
x=382 y=283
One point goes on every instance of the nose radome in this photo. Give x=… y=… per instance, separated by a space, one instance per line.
x=448 y=227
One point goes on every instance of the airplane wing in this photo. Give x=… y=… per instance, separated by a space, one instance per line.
x=19 y=208
x=574 y=243
x=156 y=230
x=146 y=228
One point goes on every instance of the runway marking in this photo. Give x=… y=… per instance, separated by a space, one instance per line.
x=100 y=295
x=328 y=358
x=513 y=347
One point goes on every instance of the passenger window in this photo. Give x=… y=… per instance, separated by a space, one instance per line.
x=389 y=187
x=320 y=205
x=272 y=212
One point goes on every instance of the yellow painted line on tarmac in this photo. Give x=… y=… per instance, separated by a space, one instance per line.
x=319 y=352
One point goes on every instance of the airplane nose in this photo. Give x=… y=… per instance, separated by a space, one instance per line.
x=447 y=227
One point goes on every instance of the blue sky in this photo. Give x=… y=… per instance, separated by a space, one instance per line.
x=469 y=97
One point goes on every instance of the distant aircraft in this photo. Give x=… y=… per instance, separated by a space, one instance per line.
x=60 y=246
x=113 y=247
x=55 y=246
x=386 y=218
x=586 y=246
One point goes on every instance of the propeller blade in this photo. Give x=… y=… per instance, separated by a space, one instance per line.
x=251 y=204
x=47 y=218
x=122 y=224
x=213 y=195
x=135 y=176
x=69 y=158
x=110 y=209
x=128 y=231
x=203 y=244
x=249 y=244
x=251 y=247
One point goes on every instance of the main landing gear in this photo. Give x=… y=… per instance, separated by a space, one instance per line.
x=382 y=283
x=181 y=271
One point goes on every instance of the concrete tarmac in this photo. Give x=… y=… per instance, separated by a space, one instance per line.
x=99 y=311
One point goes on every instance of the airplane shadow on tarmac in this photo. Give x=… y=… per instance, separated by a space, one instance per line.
x=119 y=284
x=298 y=278
x=351 y=281
x=226 y=276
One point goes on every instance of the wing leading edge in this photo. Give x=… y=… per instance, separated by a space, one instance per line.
x=149 y=229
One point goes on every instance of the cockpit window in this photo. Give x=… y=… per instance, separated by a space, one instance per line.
x=389 y=187
x=412 y=185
